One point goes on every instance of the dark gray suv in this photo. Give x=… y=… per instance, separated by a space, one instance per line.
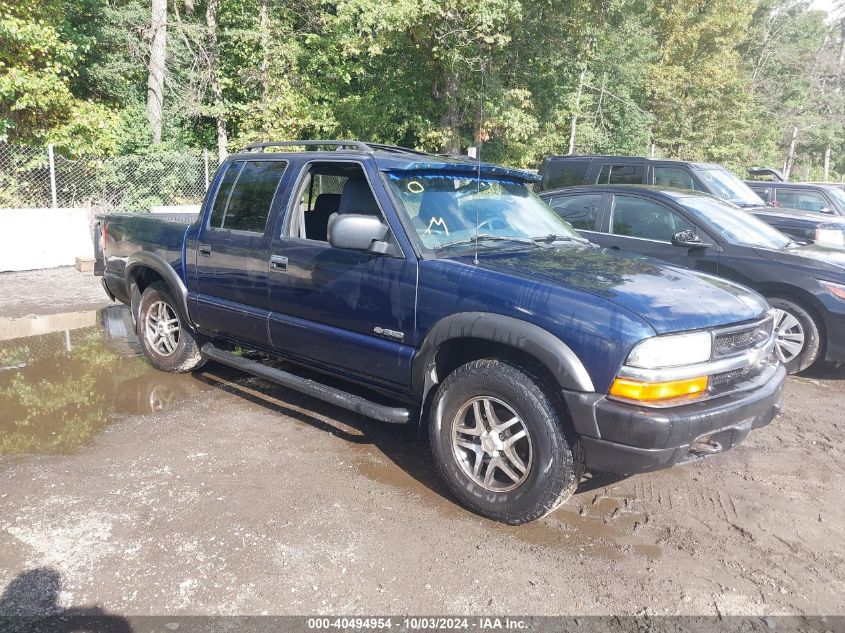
x=569 y=171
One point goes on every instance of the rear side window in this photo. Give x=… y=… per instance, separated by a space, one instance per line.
x=565 y=172
x=763 y=192
x=581 y=211
x=621 y=175
x=804 y=200
x=223 y=192
x=675 y=177
x=252 y=192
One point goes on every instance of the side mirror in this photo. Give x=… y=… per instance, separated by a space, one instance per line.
x=827 y=210
x=688 y=239
x=358 y=233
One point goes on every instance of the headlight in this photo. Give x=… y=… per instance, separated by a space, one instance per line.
x=834 y=237
x=837 y=290
x=672 y=351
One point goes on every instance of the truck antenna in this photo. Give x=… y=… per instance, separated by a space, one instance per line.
x=478 y=156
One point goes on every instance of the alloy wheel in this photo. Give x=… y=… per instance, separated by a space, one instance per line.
x=161 y=326
x=492 y=444
x=789 y=336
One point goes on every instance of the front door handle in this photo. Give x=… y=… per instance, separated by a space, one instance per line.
x=278 y=262
x=205 y=249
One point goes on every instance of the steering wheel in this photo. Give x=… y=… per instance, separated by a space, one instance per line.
x=491 y=224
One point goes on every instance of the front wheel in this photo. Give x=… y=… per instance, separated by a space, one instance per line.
x=167 y=343
x=499 y=443
x=797 y=336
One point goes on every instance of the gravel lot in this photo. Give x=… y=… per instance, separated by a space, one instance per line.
x=222 y=494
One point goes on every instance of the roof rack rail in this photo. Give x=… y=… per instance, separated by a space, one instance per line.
x=354 y=145
x=357 y=145
x=397 y=148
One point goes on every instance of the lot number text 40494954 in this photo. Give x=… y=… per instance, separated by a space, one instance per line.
x=417 y=623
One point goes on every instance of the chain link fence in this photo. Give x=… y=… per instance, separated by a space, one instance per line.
x=31 y=178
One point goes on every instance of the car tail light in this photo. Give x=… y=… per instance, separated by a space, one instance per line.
x=828 y=235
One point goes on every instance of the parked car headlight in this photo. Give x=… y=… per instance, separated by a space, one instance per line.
x=837 y=290
x=833 y=237
x=672 y=351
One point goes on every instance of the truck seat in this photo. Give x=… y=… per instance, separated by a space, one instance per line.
x=357 y=197
x=317 y=220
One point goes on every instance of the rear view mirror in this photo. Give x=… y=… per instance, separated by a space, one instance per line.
x=688 y=239
x=358 y=232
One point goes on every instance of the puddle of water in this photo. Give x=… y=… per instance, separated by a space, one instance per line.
x=11 y=329
x=65 y=377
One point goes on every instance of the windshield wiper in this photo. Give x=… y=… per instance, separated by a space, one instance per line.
x=486 y=237
x=554 y=237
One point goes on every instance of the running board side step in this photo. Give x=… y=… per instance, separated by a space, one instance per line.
x=343 y=399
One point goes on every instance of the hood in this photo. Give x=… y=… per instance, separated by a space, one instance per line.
x=797 y=214
x=668 y=298
x=813 y=257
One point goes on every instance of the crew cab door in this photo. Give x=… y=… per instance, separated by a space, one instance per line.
x=347 y=311
x=232 y=252
x=642 y=225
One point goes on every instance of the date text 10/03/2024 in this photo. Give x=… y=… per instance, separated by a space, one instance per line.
x=416 y=624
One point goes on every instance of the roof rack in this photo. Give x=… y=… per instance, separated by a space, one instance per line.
x=357 y=145
x=397 y=149
x=339 y=145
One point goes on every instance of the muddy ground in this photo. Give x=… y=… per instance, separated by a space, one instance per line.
x=143 y=493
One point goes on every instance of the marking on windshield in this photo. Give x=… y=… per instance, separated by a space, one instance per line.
x=437 y=222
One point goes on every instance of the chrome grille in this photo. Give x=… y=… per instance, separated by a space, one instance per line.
x=743 y=338
x=728 y=377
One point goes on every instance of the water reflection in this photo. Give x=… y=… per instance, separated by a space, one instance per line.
x=66 y=377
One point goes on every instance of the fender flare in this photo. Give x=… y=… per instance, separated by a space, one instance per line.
x=157 y=263
x=497 y=328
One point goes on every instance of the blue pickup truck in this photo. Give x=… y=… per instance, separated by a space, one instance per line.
x=443 y=292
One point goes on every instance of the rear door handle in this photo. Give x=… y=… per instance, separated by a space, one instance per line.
x=278 y=262
x=205 y=249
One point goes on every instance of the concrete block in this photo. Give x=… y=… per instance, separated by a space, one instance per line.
x=44 y=238
x=84 y=265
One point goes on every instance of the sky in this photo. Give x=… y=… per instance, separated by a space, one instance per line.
x=824 y=5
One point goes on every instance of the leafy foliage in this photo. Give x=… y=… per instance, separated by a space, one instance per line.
x=735 y=82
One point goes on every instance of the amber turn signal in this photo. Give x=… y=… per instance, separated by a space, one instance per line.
x=656 y=391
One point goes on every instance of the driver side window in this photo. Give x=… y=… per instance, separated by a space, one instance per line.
x=644 y=219
x=326 y=190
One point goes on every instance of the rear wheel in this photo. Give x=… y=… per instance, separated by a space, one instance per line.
x=797 y=335
x=499 y=443
x=167 y=343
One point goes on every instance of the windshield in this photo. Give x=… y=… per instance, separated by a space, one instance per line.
x=735 y=225
x=838 y=195
x=447 y=208
x=725 y=185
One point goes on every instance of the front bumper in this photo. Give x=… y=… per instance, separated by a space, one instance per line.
x=623 y=438
x=835 y=331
